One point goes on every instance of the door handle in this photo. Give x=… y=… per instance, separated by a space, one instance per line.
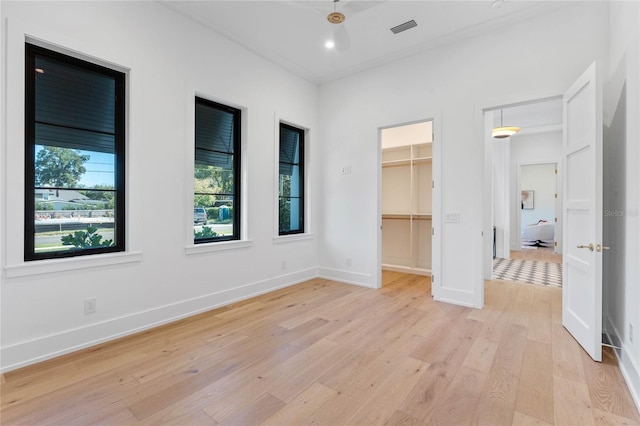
x=590 y=246
x=601 y=248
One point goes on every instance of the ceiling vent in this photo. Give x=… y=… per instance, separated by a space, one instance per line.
x=404 y=27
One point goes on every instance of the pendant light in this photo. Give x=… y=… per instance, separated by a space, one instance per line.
x=504 y=131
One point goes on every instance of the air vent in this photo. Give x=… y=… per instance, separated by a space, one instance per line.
x=404 y=27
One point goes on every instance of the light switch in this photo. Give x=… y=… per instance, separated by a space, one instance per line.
x=452 y=217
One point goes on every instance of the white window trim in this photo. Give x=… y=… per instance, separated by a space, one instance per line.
x=49 y=266
x=308 y=230
x=19 y=33
x=292 y=238
x=217 y=246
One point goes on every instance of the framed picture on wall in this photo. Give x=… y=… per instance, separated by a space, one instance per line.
x=527 y=199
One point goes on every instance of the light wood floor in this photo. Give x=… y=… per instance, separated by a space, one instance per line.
x=541 y=254
x=327 y=353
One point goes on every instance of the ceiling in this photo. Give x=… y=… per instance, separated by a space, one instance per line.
x=532 y=117
x=292 y=33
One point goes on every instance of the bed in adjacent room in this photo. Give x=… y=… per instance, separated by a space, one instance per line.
x=539 y=234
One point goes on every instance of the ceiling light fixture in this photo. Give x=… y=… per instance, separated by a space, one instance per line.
x=329 y=44
x=335 y=17
x=503 y=131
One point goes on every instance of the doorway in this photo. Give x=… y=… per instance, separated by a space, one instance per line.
x=526 y=192
x=406 y=197
x=582 y=156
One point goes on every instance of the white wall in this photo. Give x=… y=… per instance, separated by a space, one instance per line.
x=621 y=269
x=457 y=82
x=170 y=59
x=540 y=178
x=536 y=148
x=501 y=195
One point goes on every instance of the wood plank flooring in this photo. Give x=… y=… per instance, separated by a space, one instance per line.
x=326 y=353
x=540 y=254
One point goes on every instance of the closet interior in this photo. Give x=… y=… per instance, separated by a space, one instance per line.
x=406 y=197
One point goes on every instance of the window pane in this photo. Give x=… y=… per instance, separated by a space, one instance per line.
x=291 y=184
x=74 y=138
x=291 y=181
x=69 y=226
x=73 y=168
x=213 y=180
x=214 y=220
x=216 y=179
x=74 y=146
x=289 y=146
x=72 y=96
x=290 y=215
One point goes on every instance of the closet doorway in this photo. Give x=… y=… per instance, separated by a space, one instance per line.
x=406 y=197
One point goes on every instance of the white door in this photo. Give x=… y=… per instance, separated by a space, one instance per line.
x=582 y=213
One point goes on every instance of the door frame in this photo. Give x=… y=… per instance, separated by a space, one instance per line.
x=558 y=204
x=485 y=115
x=436 y=194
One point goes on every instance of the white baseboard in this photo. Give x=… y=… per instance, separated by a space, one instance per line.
x=407 y=270
x=54 y=345
x=628 y=366
x=454 y=297
x=347 y=277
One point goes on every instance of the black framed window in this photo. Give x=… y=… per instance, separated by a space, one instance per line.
x=291 y=181
x=74 y=158
x=216 y=194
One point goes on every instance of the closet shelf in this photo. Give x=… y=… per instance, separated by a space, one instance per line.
x=396 y=163
x=407 y=216
x=422 y=216
x=422 y=160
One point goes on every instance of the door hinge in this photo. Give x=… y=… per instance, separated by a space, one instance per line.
x=433 y=231
x=556 y=195
x=555 y=219
x=433 y=279
x=433 y=184
x=555 y=244
x=556 y=171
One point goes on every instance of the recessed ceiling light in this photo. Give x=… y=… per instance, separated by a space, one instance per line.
x=329 y=44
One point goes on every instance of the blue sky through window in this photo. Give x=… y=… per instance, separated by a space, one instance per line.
x=100 y=168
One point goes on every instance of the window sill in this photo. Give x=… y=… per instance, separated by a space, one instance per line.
x=284 y=239
x=214 y=247
x=37 y=267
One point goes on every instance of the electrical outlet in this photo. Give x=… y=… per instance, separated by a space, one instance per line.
x=348 y=261
x=630 y=333
x=90 y=305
